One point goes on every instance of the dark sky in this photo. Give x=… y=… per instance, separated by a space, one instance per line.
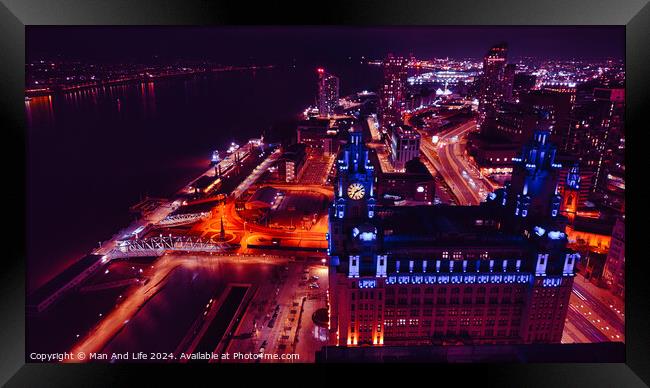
x=280 y=44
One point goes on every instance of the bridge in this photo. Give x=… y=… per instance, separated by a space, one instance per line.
x=156 y=246
x=183 y=219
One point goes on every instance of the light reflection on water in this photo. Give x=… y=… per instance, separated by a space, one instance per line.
x=102 y=159
x=165 y=319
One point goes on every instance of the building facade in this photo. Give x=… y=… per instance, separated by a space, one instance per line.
x=597 y=138
x=614 y=272
x=491 y=91
x=291 y=162
x=414 y=186
x=495 y=273
x=404 y=146
x=393 y=90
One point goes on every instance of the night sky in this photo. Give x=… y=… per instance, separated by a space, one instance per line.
x=238 y=45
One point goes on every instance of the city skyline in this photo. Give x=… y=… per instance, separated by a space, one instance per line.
x=388 y=198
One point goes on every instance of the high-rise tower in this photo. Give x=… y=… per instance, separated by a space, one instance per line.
x=393 y=90
x=491 y=86
x=328 y=92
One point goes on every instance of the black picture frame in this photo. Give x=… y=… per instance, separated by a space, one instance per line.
x=16 y=14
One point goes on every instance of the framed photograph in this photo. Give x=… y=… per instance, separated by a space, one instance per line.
x=266 y=189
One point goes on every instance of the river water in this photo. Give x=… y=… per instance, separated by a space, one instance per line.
x=93 y=153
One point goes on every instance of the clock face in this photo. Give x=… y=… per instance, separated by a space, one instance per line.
x=356 y=191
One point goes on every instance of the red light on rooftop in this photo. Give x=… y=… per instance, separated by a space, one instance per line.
x=320 y=70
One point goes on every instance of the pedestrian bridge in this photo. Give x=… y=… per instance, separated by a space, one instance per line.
x=183 y=219
x=157 y=246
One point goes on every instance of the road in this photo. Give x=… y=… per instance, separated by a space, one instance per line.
x=287 y=294
x=447 y=158
x=608 y=313
x=584 y=326
x=250 y=232
x=594 y=315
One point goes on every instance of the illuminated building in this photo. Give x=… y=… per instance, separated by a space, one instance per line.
x=451 y=77
x=323 y=134
x=597 y=139
x=522 y=83
x=404 y=146
x=585 y=178
x=414 y=186
x=393 y=90
x=493 y=156
x=590 y=233
x=317 y=133
x=614 y=272
x=558 y=106
x=508 y=81
x=291 y=162
x=491 y=85
x=610 y=178
x=408 y=275
x=571 y=193
x=516 y=122
x=328 y=93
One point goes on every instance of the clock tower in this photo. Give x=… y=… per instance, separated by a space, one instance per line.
x=352 y=229
x=355 y=234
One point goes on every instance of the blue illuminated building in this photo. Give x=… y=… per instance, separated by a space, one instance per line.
x=495 y=273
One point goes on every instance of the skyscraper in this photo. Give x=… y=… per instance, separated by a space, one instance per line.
x=491 y=85
x=393 y=90
x=597 y=138
x=508 y=81
x=328 y=92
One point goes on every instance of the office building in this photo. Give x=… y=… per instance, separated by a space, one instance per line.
x=404 y=146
